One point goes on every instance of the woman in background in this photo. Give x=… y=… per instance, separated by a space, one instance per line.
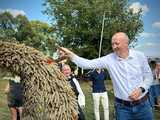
x=66 y=70
x=99 y=93
x=14 y=91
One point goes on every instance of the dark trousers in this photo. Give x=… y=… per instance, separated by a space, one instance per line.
x=81 y=115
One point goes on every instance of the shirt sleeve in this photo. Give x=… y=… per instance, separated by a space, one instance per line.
x=147 y=74
x=81 y=97
x=90 y=64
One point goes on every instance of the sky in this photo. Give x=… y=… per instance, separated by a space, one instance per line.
x=148 y=41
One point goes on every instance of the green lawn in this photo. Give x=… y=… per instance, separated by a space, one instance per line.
x=4 y=112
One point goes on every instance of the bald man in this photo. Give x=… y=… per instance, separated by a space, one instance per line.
x=131 y=77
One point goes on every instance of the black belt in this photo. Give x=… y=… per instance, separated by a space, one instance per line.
x=132 y=103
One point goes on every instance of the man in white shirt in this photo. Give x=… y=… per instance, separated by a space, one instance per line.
x=131 y=77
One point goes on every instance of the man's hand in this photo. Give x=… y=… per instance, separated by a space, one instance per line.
x=135 y=94
x=65 y=53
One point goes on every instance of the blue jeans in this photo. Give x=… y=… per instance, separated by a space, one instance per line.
x=142 y=111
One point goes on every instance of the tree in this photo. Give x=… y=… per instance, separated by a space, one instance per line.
x=78 y=23
x=37 y=34
x=7 y=27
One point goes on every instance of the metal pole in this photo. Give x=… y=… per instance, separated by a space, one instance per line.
x=100 y=44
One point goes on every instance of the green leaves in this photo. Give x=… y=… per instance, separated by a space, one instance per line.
x=79 y=22
x=33 y=33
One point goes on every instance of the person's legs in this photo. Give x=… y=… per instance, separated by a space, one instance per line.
x=19 y=111
x=122 y=112
x=19 y=104
x=157 y=94
x=143 y=111
x=81 y=115
x=96 y=98
x=12 y=107
x=105 y=104
x=13 y=113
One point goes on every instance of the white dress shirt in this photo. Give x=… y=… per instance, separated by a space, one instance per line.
x=126 y=74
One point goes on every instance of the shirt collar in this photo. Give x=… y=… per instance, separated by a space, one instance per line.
x=128 y=58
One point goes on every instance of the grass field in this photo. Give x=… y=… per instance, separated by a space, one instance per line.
x=4 y=111
x=5 y=115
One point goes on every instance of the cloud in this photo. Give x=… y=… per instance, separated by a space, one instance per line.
x=151 y=44
x=148 y=35
x=156 y=24
x=148 y=45
x=14 y=12
x=136 y=6
x=149 y=48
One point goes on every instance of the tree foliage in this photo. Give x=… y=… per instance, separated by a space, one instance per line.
x=79 y=22
x=33 y=33
x=6 y=25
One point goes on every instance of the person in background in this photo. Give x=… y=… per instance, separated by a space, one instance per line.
x=130 y=74
x=155 y=87
x=66 y=70
x=99 y=93
x=157 y=70
x=14 y=91
x=158 y=78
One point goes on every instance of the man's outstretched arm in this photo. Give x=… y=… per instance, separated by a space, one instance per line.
x=82 y=62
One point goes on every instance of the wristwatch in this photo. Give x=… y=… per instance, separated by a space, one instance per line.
x=143 y=90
